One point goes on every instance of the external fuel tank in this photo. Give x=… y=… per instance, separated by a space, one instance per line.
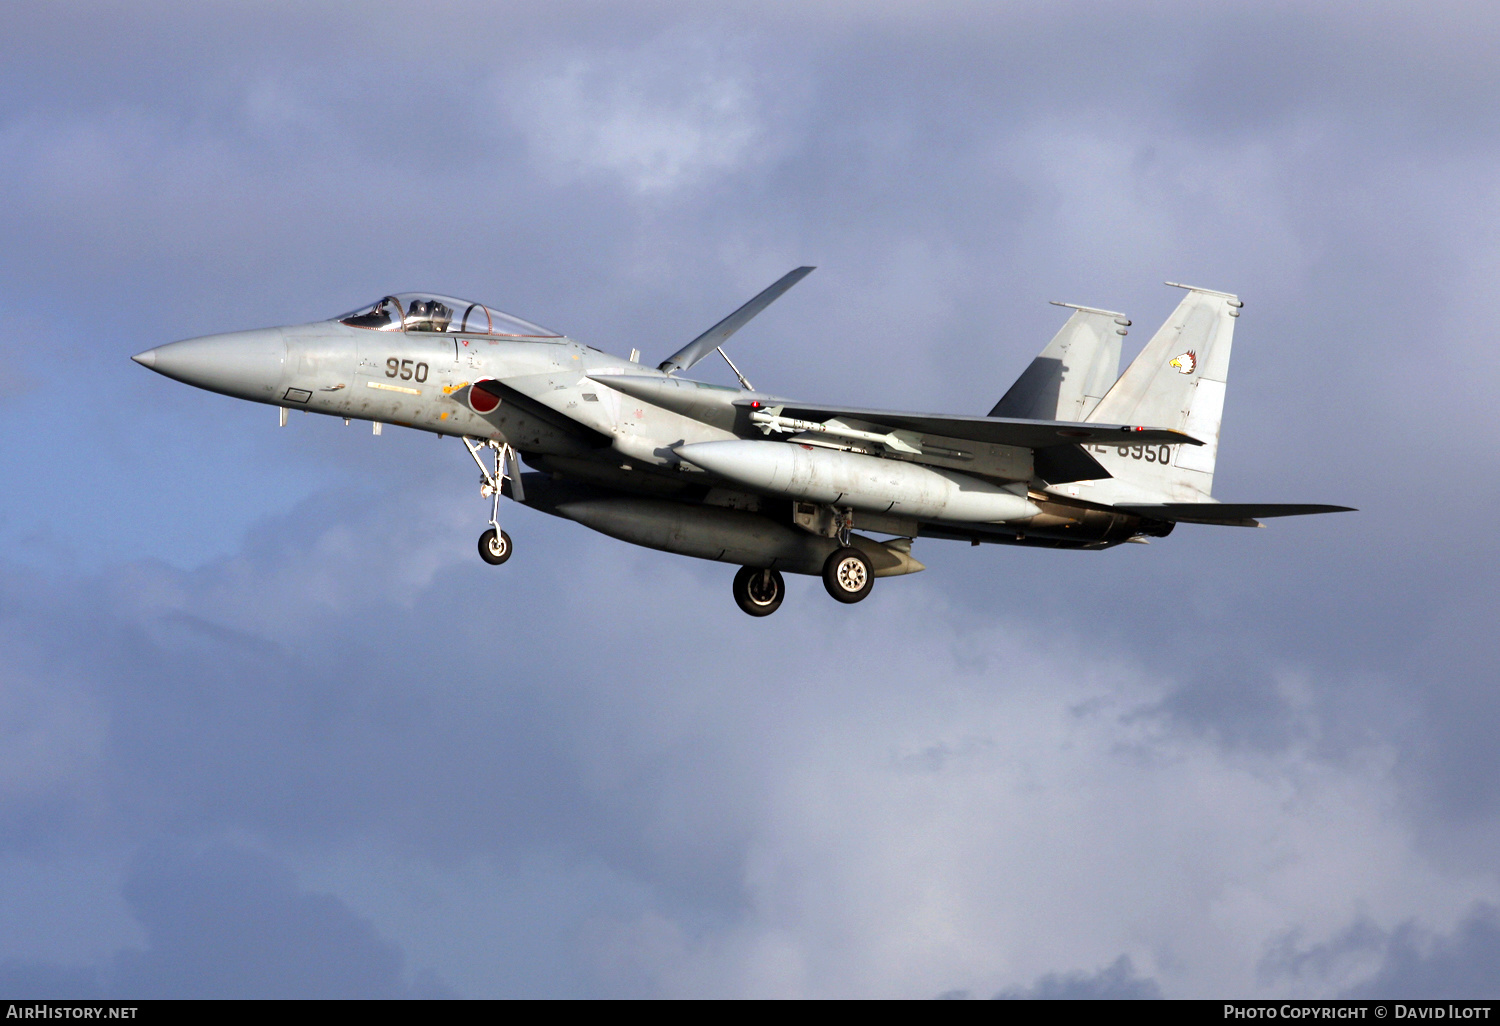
x=816 y=474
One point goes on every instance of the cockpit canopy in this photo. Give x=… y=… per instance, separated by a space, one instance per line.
x=422 y=311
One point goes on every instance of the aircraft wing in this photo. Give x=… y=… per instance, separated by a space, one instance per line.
x=1025 y=434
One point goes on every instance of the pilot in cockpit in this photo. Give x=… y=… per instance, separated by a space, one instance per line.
x=428 y=315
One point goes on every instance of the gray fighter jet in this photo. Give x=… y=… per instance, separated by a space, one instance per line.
x=1074 y=456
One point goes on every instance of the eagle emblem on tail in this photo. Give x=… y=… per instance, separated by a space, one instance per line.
x=1186 y=363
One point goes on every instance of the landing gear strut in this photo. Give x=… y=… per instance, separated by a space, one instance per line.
x=847 y=575
x=759 y=592
x=843 y=523
x=494 y=544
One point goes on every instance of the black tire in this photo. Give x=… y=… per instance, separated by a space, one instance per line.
x=492 y=550
x=847 y=575
x=759 y=592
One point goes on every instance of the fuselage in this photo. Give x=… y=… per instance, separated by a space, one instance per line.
x=1066 y=459
x=425 y=380
x=451 y=367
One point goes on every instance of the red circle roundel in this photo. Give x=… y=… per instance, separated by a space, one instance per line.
x=481 y=401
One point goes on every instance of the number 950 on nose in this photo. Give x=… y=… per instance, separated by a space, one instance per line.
x=403 y=369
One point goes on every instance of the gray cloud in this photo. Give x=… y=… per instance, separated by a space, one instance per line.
x=1419 y=965
x=1114 y=982
x=1409 y=961
x=228 y=923
x=252 y=696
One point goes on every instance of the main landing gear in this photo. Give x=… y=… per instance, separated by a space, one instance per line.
x=494 y=544
x=759 y=592
x=847 y=575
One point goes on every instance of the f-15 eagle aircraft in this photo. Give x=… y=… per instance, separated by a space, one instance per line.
x=1069 y=458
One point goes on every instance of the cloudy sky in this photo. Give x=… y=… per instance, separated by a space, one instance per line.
x=269 y=727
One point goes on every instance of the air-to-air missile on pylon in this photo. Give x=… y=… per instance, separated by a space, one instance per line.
x=1074 y=456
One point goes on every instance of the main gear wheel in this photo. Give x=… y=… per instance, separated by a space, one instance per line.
x=847 y=575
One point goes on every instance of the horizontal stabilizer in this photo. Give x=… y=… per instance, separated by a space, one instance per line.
x=1232 y=514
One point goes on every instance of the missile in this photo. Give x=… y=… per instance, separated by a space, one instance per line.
x=817 y=474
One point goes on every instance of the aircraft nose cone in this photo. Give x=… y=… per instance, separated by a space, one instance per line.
x=248 y=364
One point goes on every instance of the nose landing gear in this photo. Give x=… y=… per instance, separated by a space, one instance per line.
x=494 y=544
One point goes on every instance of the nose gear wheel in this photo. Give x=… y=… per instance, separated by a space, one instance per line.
x=494 y=548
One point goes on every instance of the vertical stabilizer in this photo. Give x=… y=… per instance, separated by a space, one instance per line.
x=1070 y=376
x=1178 y=382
